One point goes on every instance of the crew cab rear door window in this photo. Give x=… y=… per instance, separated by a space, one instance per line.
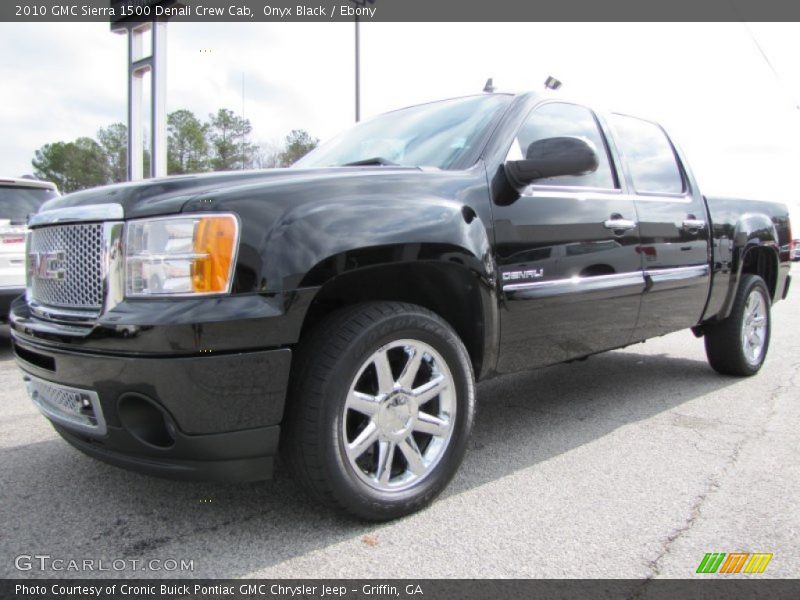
x=560 y=119
x=649 y=156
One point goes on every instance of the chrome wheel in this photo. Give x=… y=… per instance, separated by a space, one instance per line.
x=399 y=415
x=754 y=327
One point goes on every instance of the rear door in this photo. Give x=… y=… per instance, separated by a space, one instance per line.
x=567 y=254
x=673 y=226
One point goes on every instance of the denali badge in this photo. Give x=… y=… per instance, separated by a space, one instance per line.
x=46 y=265
x=528 y=274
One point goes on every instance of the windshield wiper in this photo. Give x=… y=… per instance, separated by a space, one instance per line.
x=375 y=160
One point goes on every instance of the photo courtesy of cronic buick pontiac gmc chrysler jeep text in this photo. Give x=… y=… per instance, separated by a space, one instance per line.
x=338 y=313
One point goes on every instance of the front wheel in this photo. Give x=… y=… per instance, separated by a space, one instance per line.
x=382 y=406
x=738 y=345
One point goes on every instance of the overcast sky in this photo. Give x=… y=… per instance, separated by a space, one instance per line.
x=736 y=118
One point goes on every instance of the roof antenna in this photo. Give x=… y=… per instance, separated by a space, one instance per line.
x=551 y=83
x=489 y=87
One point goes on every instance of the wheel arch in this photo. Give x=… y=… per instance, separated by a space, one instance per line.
x=447 y=279
x=756 y=250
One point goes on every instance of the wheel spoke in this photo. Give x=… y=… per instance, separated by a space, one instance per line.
x=411 y=369
x=363 y=441
x=759 y=321
x=430 y=390
x=384 y=372
x=379 y=426
x=383 y=471
x=752 y=305
x=366 y=404
x=431 y=425
x=413 y=456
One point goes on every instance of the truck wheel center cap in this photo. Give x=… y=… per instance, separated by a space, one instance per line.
x=395 y=416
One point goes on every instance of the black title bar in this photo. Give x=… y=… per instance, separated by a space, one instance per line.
x=247 y=11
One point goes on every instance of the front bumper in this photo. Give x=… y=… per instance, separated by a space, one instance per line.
x=222 y=457
x=214 y=417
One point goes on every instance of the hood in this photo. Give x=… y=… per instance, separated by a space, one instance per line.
x=169 y=195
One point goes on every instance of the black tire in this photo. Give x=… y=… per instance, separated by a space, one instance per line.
x=328 y=365
x=725 y=346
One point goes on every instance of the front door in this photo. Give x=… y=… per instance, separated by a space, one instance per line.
x=566 y=250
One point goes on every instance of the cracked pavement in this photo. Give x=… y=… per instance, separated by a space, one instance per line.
x=632 y=464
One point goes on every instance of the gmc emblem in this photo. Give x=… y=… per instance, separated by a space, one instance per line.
x=47 y=265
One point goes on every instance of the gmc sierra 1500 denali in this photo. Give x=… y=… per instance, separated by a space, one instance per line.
x=341 y=310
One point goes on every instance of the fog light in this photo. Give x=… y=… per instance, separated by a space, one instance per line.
x=146 y=421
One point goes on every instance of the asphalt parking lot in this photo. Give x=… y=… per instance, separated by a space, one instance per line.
x=632 y=464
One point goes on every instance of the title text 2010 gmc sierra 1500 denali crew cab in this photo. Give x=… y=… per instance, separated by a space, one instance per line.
x=341 y=310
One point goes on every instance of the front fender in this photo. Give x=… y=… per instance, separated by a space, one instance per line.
x=429 y=251
x=316 y=242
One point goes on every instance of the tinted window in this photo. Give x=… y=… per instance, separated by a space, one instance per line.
x=16 y=203
x=648 y=154
x=558 y=120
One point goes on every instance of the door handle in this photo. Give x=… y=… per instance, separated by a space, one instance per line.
x=619 y=224
x=693 y=224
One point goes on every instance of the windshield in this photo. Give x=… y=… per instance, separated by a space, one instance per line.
x=430 y=135
x=16 y=203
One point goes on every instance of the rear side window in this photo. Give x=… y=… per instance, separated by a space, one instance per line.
x=649 y=155
x=558 y=119
x=16 y=203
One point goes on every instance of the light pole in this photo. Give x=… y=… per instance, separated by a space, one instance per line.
x=359 y=3
x=358 y=71
x=142 y=61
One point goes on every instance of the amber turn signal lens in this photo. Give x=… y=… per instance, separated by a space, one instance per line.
x=214 y=246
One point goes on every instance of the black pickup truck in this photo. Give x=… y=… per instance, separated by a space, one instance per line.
x=340 y=311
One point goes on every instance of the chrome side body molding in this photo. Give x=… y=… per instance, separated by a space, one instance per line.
x=576 y=284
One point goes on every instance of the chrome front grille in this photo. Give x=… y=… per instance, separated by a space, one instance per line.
x=80 y=254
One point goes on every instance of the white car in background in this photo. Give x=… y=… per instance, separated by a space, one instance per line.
x=18 y=199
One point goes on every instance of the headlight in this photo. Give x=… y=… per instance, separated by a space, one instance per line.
x=181 y=255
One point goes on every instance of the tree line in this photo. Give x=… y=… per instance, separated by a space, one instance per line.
x=193 y=146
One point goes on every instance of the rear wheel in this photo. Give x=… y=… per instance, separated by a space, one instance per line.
x=738 y=345
x=382 y=405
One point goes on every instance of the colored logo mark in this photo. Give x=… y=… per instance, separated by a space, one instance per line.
x=734 y=562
